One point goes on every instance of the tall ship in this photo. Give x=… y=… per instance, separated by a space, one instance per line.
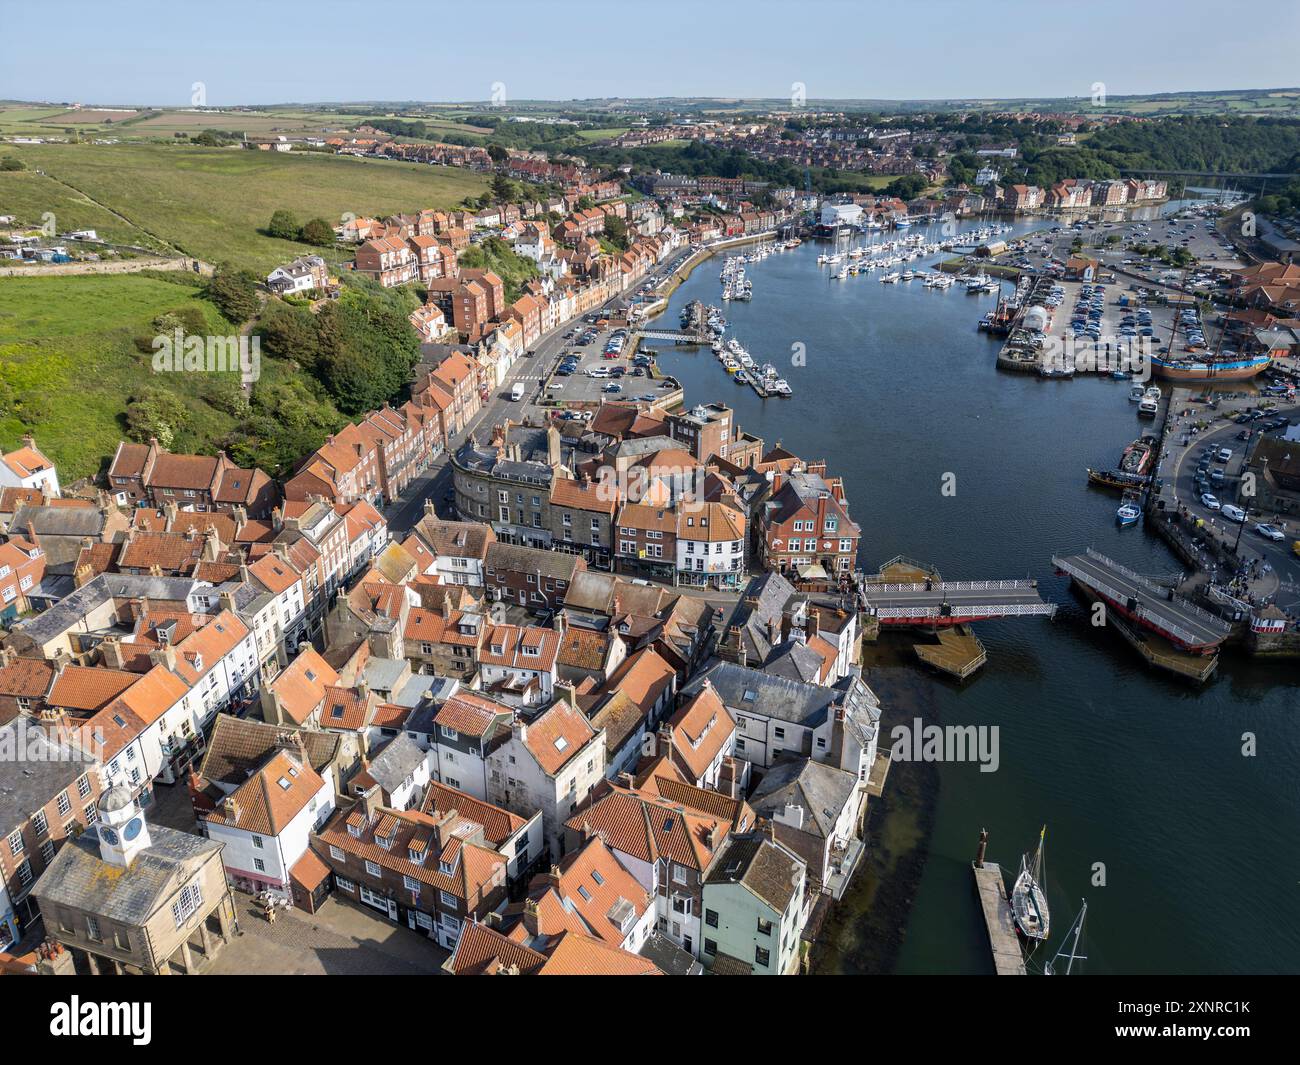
x=1229 y=368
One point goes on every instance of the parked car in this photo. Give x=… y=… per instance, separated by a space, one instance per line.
x=1270 y=532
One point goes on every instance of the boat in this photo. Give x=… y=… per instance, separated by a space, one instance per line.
x=1128 y=514
x=780 y=387
x=1136 y=457
x=741 y=377
x=1052 y=966
x=902 y=223
x=1235 y=368
x=1116 y=479
x=1136 y=393
x=889 y=279
x=1028 y=898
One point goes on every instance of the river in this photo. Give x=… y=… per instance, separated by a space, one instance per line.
x=1185 y=848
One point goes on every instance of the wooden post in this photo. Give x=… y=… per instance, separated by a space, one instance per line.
x=983 y=846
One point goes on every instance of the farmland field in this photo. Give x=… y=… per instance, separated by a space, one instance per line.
x=213 y=203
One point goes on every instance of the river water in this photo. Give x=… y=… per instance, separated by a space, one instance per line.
x=1185 y=848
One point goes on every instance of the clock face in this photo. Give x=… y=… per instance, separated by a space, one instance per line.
x=110 y=837
x=132 y=828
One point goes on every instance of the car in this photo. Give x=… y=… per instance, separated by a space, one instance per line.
x=612 y=389
x=1270 y=532
x=1233 y=513
x=1210 y=501
x=1224 y=455
x=555 y=386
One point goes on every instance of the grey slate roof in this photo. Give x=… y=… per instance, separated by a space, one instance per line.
x=669 y=957
x=80 y=878
x=768 y=870
x=782 y=699
x=554 y=564
x=400 y=757
x=821 y=790
x=59 y=521
x=73 y=608
x=33 y=771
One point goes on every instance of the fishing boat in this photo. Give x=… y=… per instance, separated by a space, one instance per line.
x=1128 y=514
x=1028 y=898
x=1052 y=967
x=1136 y=393
x=780 y=387
x=1136 y=457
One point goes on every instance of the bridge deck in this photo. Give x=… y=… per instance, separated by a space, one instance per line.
x=1145 y=602
x=958 y=599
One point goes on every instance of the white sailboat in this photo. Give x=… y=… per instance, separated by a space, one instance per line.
x=1028 y=898
x=1051 y=967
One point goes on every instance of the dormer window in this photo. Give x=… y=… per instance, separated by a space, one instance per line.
x=416 y=856
x=446 y=868
x=354 y=831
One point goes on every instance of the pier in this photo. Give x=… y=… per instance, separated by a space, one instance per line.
x=1158 y=609
x=996 y=909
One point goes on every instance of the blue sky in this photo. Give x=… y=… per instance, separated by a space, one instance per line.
x=97 y=51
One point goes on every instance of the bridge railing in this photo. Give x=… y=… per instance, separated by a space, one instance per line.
x=1163 y=624
x=987 y=611
x=953 y=586
x=1158 y=590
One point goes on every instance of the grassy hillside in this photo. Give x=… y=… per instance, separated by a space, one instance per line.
x=29 y=196
x=214 y=202
x=68 y=365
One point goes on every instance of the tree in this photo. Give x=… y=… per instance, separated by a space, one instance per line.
x=616 y=232
x=155 y=412
x=11 y=163
x=234 y=291
x=284 y=225
x=499 y=155
x=503 y=189
x=318 y=232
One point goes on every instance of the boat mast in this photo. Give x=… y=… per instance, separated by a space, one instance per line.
x=1074 y=954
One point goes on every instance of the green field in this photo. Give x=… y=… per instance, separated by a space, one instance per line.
x=29 y=196
x=212 y=203
x=68 y=365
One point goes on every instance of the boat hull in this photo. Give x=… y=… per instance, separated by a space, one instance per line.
x=1234 y=370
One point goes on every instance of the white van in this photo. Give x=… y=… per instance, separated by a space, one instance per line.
x=517 y=393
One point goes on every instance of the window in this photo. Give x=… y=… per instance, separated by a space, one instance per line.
x=710 y=946
x=65 y=804
x=92 y=927
x=47 y=851
x=372 y=868
x=778 y=732
x=259 y=865
x=337 y=854
x=411 y=884
x=343 y=884
x=122 y=939
x=448 y=899
x=16 y=842
x=191 y=898
x=257 y=842
x=762 y=956
x=39 y=825
x=83 y=786
x=764 y=927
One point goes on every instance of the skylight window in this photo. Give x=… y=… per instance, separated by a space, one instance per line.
x=284 y=783
x=561 y=743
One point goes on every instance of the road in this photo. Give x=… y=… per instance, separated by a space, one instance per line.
x=435 y=483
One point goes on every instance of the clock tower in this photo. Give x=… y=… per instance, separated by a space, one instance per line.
x=122 y=830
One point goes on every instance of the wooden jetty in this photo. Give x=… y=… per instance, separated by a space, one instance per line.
x=959 y=652
x=996 y=908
